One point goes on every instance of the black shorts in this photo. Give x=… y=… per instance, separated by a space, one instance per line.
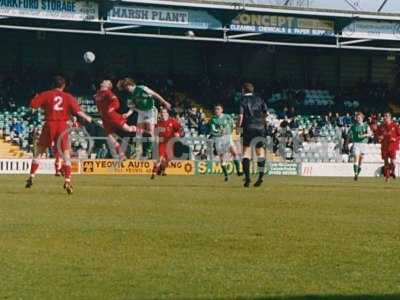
x=251 y=134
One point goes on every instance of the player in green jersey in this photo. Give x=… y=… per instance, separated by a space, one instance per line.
x=359 y=134
x=221 y=129
x=142 y=99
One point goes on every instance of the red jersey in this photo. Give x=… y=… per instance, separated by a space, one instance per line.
x=168 y=129
x=57 y=105
x=107 y=102
x=390 y=135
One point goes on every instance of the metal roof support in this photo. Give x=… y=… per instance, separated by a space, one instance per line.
x=121 y=27
x=352 y=5
x=382 y=5
x=288 y=44
x=203 y=39
x=355 y=42
x=242 y=35
x=47 y=29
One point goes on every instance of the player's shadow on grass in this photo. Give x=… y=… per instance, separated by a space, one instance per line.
x=312 y=297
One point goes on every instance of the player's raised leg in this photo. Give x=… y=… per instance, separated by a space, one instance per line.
x=117 y=146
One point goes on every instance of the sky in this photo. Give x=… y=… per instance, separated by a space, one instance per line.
x=392 y=6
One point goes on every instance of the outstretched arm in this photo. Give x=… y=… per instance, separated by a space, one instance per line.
x=240 y=121
x=128 y=113
x=159 y=98
x=76 y=110
x=369 y=132
x=84 y=116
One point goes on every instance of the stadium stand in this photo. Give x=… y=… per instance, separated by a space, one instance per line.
x=301 y=138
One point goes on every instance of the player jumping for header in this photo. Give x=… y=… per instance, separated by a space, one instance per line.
x=359 y=134
x=221 y=127
x=141 y=99
x=108 y=104
x=58 y=107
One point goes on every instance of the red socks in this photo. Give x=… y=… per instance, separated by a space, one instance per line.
x=392 y=170
x=117 y=148
x=34 y=167
x=67 y=173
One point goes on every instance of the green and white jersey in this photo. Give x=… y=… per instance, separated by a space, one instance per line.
x=357 y=132
x=222 y=125
x=140 y=97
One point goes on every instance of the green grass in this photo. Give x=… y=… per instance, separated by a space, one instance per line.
x=199 y=238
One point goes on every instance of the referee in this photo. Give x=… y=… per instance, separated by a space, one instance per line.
x=252 y=120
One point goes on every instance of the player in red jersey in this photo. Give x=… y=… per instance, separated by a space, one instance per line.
x=389 y=136
x=168 y=128
x=108 y=104
x=58 y=107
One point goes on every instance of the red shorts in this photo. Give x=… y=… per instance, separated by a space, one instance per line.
x=166 y=152
x=389 y=154
x=162 y=150
x=55 y=135
x=113 y=122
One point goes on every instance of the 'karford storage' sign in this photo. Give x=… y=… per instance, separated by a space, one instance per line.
x=70 y=10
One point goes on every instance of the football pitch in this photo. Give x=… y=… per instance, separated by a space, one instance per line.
x=126 y=237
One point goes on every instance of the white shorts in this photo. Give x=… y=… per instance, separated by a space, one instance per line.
x=148 y=116
x=359 y=149
x=223 y=143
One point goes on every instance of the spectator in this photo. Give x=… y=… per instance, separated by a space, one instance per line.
x=193 y=118
x=103 y=152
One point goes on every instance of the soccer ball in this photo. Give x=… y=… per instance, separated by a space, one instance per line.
x=190 y=33
x=89 y=57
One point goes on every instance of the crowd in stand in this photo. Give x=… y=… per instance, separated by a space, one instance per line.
x=331 y=127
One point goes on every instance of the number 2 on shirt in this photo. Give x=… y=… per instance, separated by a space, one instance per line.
x=58 y=102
